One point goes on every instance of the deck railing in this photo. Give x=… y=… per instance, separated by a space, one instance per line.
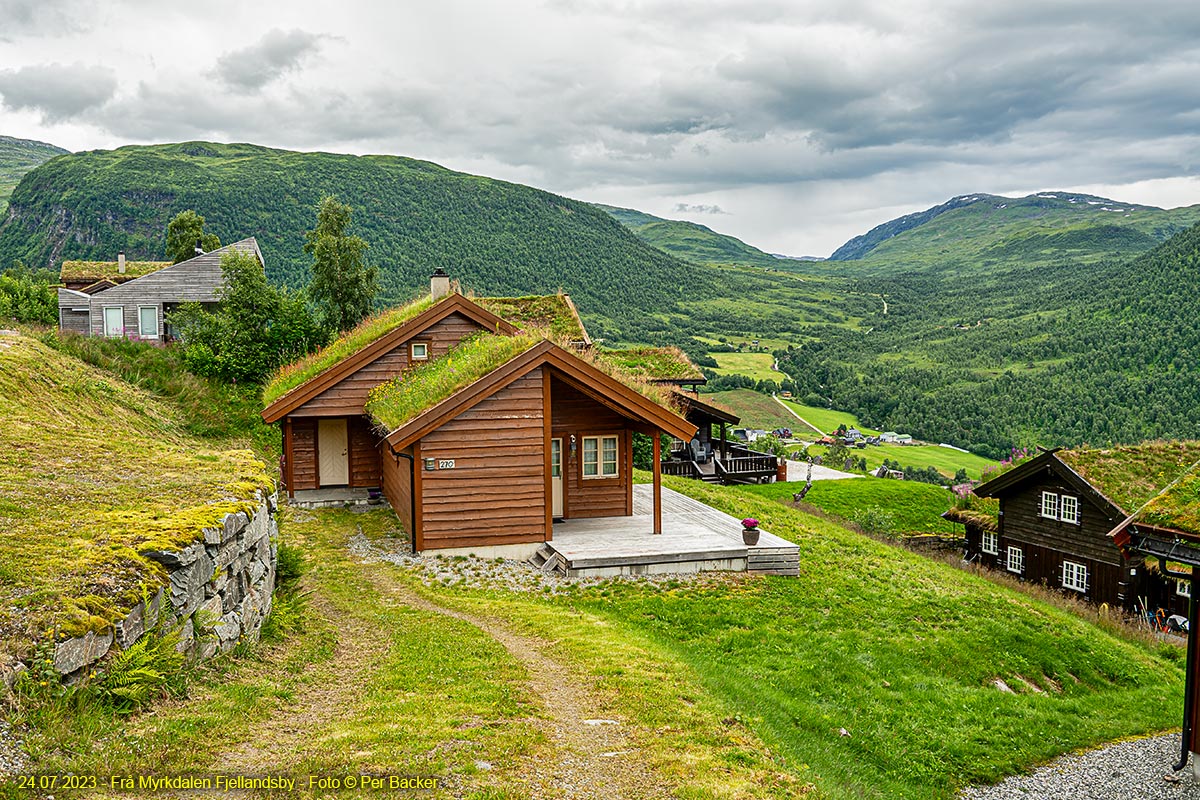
x=742 y=465
x=683 y=469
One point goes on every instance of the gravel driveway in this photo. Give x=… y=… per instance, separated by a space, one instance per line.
x=1133 y=770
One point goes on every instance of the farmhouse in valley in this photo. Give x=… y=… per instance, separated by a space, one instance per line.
x=130 y=299
x=1056 y=512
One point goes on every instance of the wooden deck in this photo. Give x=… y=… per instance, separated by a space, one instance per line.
x=695 y=538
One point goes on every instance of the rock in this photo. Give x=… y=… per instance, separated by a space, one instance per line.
x=74 y=654
x=187 y=585
x=174 y=559
x=187 y=637
x=130 y=629
x=234 y=524
x=228 y=630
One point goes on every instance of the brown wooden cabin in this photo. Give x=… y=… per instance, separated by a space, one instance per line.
x=1053 y=529
x=546 y=435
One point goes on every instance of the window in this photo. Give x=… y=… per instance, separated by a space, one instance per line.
x=148 y=322
x=1050 y=505
x=114 y=321
x=1016 y=560
x=991 y=542
x=419 y=351
x=1183 y=588
x=1068 y=509
x=600 y=456
x=1075 y=576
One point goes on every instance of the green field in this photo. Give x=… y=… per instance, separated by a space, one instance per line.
x=911 y=507
x=943 y=459
x=752 y=365
x=827 y=419
x=756 y=410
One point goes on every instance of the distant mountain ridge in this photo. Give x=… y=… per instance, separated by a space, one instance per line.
x=19 y=156
x=990 y=221
x=689 y=241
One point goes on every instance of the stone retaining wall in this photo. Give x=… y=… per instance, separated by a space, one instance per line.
x=218 y=589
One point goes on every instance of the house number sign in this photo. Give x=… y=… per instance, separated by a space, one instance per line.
x=445 y=463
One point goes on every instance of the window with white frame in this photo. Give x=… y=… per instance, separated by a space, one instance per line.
x=148 y=322
x=1068 y=509
x=1050 y=505
x=114 y=321
x=991 y=542
x=420 y=351
x=1075 y=576
x=600 y=456
x=1016 y=560
x=1183 y=588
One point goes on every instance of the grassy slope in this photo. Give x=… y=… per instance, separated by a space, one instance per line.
x=756 y=410
x=94 y=473
x=18 y=156
x=913 y=507
x=943 y=459
x=690 y=241
x=827 y=419
x=753 y=365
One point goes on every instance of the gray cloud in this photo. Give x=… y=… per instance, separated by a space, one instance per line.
x=270 y=58
x=698 y=208
x=43 y=17
x=59 y=92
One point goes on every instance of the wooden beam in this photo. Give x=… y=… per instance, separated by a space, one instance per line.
x=657 y=483
x=627 y=443
x=287 y=457
x=418 y=468
x=546 y=436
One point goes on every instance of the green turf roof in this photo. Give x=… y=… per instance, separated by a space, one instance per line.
x=551 y=314
x=1129 y=475
x=655 y=363
x=93 y=271
x=402 y=399
x=299 y=372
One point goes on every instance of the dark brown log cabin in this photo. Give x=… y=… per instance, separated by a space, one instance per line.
x=546 y=435
x=1053 y=528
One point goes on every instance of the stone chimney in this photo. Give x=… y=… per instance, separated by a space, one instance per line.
x=120 y=263
x=439 y=284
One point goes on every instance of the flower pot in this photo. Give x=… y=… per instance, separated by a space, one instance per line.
x=750 y=536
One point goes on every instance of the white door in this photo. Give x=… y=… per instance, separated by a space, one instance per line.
x=332 y=449
x=114 y=321
x=556 y=484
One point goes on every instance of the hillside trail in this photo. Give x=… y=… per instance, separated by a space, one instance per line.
x=590 y=755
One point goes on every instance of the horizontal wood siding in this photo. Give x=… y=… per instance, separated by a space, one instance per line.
x=496 y=493
x=76 y=321
x=397 y=486
x=349 y=396
x=1020 y=519
x=304 y=454
x=574 y=413
x=365 y=469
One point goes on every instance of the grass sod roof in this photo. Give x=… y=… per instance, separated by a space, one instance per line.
x=402 y=399
x=552 y=314
x=1129 y=475
x=95 y=474
x=299 y=372
x=98 y=270
x=655 y=363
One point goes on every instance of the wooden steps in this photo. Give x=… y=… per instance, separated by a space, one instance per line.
x=548 y=560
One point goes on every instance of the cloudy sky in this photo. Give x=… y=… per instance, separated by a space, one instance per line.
x=793 y=125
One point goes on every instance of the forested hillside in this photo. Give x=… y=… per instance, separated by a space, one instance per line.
x=496 y=237
x=17 y=157
x=1058 y=356
x=690 y=241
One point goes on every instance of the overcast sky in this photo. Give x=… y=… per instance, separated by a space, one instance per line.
x=792 y=125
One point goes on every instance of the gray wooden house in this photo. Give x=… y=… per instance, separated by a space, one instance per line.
x=136 y=308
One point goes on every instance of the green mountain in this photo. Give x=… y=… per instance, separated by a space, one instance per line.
x=690 y=241
x=497 y=237
x=18 y=156
x=982 y=231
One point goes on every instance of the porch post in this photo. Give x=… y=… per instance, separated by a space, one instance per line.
x=724 y=446
x=657 y=437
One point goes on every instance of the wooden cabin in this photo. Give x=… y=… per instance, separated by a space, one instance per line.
x=1056 y=513
x=130 y=300
x=546 y=434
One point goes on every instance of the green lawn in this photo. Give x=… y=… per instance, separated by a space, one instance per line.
x=753 y=365
x=827 y=419
x=911 y=507
x=944 y=459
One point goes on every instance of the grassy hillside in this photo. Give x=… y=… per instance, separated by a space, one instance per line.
x=689 y=240
x=95 y=473
x=496 y=237
x=18 y=156
x=897 y=507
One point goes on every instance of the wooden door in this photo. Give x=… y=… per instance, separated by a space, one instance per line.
x=556 y=477
x=332 y=449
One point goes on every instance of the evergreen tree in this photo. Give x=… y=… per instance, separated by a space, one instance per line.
x=182 y=234
x=343 y=286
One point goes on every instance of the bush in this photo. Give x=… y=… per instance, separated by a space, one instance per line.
x=290 y=566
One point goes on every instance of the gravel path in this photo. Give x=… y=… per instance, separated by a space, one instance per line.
x=1133 y=770
x=12 y=758
x=798 y=471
